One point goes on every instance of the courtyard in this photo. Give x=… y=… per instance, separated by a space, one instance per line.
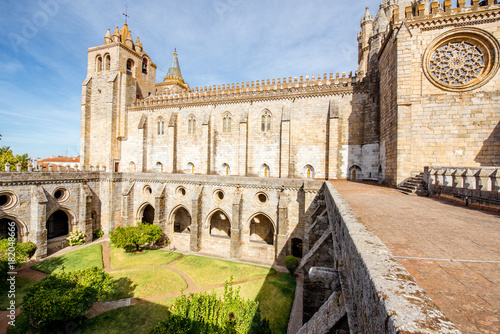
x=147 y=283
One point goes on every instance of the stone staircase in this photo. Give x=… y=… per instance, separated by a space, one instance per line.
x=415 y=185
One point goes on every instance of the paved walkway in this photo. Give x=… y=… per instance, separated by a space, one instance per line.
x=452 y=251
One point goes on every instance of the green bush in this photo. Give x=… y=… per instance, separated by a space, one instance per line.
x=76 y=238
x=97 y=234
x=22 y=251
x=65 y=296
x=291 y=263
x=206 y=313
x=130 y=236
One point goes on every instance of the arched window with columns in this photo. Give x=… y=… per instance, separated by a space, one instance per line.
x=191 y=125
x=161 y=127
x=265 y=121
x=226 y=123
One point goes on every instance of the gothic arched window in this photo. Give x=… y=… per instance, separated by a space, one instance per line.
x=161 y=127
x=107 y=62
x=130 y=67
x=145 y=66
x=266 y=121
x=98 y=66
x=191 y=125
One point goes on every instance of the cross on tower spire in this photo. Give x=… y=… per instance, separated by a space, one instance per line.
x=126 y=13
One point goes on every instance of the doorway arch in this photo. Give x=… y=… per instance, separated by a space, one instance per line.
x=57 y=225
x=148 y=214
x=219 y=225
x=262 y=229
x=297 y=247
x=5 y=231
x=182 y=220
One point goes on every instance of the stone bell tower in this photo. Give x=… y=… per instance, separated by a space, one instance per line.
x=118 y=73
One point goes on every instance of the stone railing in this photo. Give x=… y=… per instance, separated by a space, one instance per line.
x=470 y=184
x=362 y=288
x=55 y=168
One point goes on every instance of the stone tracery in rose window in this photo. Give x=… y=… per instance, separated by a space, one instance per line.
x=457 y=63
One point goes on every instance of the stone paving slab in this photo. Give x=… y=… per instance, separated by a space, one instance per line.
x=426 y=234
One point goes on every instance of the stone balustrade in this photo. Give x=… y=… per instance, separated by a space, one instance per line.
x=470 y=184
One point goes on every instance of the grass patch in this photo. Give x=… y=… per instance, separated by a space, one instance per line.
x=146 y=282
x=140 y=318
x=275 y=295
x=22 y=286
x=149 y=257
x=206 y=271
x=80 y=259
x=136 y=319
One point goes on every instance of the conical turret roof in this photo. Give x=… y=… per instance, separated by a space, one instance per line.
x=175 y=69
x=174 y=75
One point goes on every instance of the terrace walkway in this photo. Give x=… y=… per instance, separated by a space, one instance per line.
x=452 y=251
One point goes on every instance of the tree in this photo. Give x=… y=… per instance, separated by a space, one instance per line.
x=126 y=237
x=65 y=296
x=6 y=155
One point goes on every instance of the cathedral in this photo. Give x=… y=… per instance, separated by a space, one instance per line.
x=231 y=169
x=425 y=94
x=238 y=170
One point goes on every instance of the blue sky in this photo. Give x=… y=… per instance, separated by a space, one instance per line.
x=43 y=52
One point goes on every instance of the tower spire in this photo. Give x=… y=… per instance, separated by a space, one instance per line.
x=174 y=75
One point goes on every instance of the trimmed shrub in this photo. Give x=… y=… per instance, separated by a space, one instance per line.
x=76 y=238
x=291 y=263
x=97 y=234
x=206 y=313
x=23 y=250
x=133 y=236
x=65 y=296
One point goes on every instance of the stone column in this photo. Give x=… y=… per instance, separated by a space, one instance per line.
x=86 y=212
x=282 y=233
x=159 y=210
x=38 y=233
x=236 y=229
x=196 y=225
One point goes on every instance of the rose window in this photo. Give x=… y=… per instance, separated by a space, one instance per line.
x=457 y=63
x=462 y=59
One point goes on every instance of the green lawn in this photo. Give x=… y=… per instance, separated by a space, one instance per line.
x=147 y=282
x=206 y=271
x=136 y=319
x=22 y=286
x=149 y=257
x=275 y=295
x=82 y=258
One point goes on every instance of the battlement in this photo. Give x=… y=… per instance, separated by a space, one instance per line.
x=257 y=89
x=421 y=13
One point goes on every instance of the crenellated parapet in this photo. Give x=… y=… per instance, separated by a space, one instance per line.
x=440 y=14
x=259 y=90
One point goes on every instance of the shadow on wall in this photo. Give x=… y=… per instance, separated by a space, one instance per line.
x=489 y=155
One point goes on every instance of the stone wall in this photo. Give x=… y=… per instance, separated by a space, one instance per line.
x=440 y=119
x=106 y=200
